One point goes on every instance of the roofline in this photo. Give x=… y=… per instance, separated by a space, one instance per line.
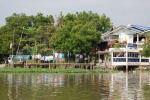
x=121 y=26
x=114 y=30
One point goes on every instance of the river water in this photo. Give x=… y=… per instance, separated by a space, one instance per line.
x=77 y=86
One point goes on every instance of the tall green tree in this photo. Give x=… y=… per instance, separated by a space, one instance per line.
x=5 y=39
x=81 y=32
x=12 y=31
x=31 y=34
x=146 y=46
x=38 y=36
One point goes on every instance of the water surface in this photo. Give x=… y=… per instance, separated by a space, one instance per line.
x=78 y=86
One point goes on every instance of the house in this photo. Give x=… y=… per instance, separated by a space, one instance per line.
x=129 y=40
x=129 y=33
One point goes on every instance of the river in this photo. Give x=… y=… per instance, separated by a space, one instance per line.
x=77 y=86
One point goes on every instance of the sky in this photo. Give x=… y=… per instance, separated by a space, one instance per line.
x=121 y=12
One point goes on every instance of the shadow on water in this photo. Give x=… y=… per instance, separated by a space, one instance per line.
x=130 y=68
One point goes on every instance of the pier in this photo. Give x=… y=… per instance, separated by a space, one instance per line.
x=54 y=65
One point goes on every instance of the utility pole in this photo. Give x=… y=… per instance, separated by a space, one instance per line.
x=13 y=41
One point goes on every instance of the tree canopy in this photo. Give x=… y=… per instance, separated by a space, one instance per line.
x=81 y=32
x=31 y=34
x=146 y=46
x=76 y=33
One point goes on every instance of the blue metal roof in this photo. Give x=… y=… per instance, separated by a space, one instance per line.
x=135 y=28
x=139 y=29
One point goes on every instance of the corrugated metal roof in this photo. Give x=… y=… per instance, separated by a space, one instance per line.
x=134 y=28
x=139 y=29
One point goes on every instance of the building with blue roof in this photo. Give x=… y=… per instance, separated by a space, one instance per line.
x=129 y=33
x=129 y=40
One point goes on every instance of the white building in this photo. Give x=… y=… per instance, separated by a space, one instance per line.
x=130 y=38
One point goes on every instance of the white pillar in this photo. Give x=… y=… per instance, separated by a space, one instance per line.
x=140 y=62
x=126 y=60
x=112 y=53
x=137 y=38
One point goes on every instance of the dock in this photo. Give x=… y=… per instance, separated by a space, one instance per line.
x=55 y=65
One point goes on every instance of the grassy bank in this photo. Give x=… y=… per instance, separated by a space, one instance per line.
x=45 y=70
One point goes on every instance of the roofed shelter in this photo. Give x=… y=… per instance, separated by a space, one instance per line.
x=129 y=34
x=122 y=34
x=130 y=38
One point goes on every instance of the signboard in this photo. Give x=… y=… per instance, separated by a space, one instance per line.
x=132 y=45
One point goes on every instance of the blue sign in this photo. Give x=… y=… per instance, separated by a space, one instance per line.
x=132 y=45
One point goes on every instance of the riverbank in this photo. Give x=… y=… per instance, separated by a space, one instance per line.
x=57 y=70
x=2 y=65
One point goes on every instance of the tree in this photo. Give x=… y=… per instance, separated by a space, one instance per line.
x=5 y=39
x=81 y=32
x=39 y=34
x=59 y=21
x=146 y=46
x=76 y=33
x=31 y=34
x=13 y=31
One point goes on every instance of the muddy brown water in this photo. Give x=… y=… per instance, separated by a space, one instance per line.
x=77 y=86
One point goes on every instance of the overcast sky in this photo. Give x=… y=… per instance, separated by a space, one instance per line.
x=121 y=12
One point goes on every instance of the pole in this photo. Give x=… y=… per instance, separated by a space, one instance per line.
x=13 y=40
x=126 y=60
x=140 y=62
x=68 y=56
x=53 y=56
x=49 y=64
x=20 y=40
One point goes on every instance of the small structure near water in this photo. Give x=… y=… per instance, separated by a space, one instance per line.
x=124 y=43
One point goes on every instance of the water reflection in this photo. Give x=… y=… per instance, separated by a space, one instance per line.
x=129 y=86
x=35 y=79
x=115 y=86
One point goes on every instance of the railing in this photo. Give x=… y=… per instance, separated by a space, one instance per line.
x=119 y=59
x=130 y=60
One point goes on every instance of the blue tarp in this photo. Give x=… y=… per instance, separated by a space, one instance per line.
x=20 y=57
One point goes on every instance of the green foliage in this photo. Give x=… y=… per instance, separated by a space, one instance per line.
x=107 y=57
x=81 y=32
x=36 y=31
x=52 y=70
x=76 y=33
x=116 y=45
x=146 y=46
x=146 y=92
x=146 y=50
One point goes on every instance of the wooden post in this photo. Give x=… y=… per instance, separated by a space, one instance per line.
x=140 y=62
x=23 y=63
x=68 y=56
x=26 y=63
x=112 y=57
x=49 y=64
